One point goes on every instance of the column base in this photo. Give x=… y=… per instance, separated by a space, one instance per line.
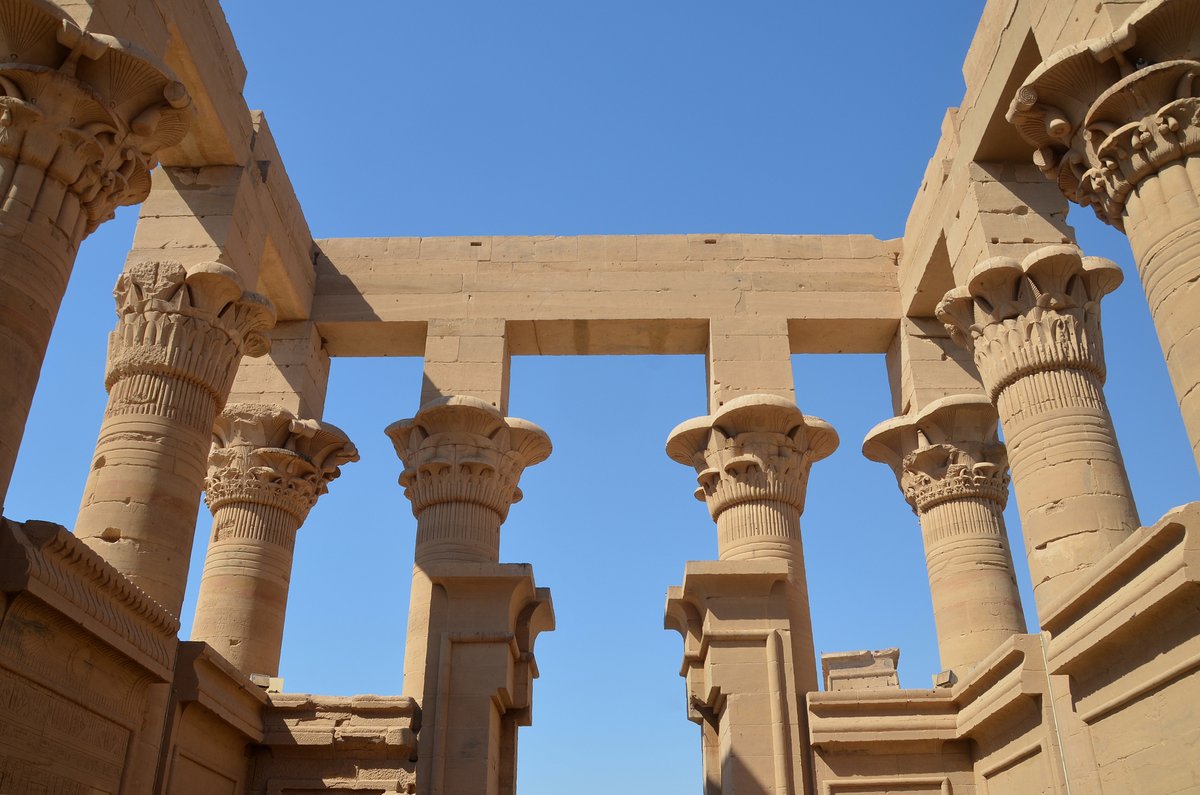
x=741 y=671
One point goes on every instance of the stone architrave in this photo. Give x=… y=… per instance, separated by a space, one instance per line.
x=749 y=658
x=82 y=117
x=472 y=620
x=265 y=471
x=171 y=361
x=1034 y=330
x=954 y=473
x=1116 y=123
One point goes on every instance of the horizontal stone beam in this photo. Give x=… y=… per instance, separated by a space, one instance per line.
x=619 y=294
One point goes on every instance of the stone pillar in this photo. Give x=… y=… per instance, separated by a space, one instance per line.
x=81 y=120
x=265 y=471
x=171 y=361
x=1034 y=330
x=472 y=620
x=954 y=473
x=1114 y=121
x=749 y=657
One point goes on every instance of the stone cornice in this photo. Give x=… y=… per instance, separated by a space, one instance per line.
x=947 y=451
x=263 y=454
x=52 y=565
x=1040 y=314
x=87 y=111
x=461 y=450
x=756 y=448
x=1107 y=112
x=192 y=324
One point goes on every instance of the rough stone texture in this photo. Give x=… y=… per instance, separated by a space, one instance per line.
x=82 y=119
x=745 y=620
x=954 y=473
x=98 y=694
x=266 y=470
x=171 y=362
x=1034 y=329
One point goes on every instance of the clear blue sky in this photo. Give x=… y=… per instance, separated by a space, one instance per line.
x=565 y=117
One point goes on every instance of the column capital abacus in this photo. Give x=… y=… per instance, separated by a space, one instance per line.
x=460 y=449
x=755 y=448
x=192 y=323
x=1039 y=314
x=88 y=111
x=947 y=451
x=264 y=454
x=1108 y=112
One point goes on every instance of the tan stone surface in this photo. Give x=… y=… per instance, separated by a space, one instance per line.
x=95 y=691
x=954 y=473
x=1034 y=329
x=62 y=174
x=171 y=362
x=1114 y=122
x=266 y=470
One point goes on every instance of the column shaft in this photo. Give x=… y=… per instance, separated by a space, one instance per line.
x=1034 y=329
x=75 y=143
x=1162 y=219
x=171 y=362
x=976 y=606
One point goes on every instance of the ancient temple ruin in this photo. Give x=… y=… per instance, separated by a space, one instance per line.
x=228 y=312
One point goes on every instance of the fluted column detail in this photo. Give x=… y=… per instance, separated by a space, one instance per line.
x=82 y=117
x=462 y=462
x=171 y=361
x=1034 y=330
x=1115 y=123
x=266 y=470
x=953 y=471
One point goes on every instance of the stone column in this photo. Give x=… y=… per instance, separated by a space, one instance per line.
x=1114 y=121
x=265 y=471
x=1034 y=330
x=81 y=119
x=745 y=618
x=472 y=620
x=171 y=361
x=954 y=473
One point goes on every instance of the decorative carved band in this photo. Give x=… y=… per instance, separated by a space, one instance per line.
x=264 y=455
x=1108 y=112
x=1039 y=315
x=757 y=448
x=191 y=325
x=947 y=452
x=461 y=450
x=82 y=117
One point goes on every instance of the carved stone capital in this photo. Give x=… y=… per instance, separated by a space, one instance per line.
x=461 y=450
x=757 y=448
x=948 y=451
x=263 y=454
x=193 y=324
x=1107 y=112
x=82 y=117
x=1040 y=314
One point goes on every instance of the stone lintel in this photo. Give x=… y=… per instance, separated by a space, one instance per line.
x=607 y=295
